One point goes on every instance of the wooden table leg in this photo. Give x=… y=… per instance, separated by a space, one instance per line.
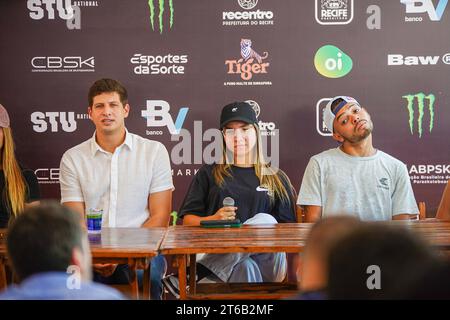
x=147 y=285
x=181 y=258
x=133 y=281
x=192 y=273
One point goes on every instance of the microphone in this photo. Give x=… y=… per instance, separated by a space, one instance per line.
x=228 y=202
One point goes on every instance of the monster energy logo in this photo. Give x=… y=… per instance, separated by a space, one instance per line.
x=161 y=4
x=420 y=97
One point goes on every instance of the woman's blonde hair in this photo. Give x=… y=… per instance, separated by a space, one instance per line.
x=15 y=187
x=269 y=177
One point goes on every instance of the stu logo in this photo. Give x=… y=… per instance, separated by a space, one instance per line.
x=41 y=121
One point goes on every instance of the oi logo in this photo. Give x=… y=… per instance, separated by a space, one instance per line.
x=332 y=62
x=420 y=98
x=157 y=115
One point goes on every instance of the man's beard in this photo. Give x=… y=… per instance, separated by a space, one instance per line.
x=358 y=137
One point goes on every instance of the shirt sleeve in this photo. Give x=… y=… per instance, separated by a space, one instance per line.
x=161 y=171
x=195 y=201
x=403 y=200
x=310 y=194
x=69 y=181
x=34 y=193
x=284 y=211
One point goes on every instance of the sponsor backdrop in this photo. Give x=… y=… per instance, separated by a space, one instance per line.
x=183 y=60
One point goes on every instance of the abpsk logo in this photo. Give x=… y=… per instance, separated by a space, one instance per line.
x=334 y=11
x=418 y=101
x=248 y=4
x=162 y=4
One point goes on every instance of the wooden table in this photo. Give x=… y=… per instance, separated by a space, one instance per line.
x=182 y=241
x=133 y=246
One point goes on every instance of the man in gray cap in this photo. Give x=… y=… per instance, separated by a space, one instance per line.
x=355 y=178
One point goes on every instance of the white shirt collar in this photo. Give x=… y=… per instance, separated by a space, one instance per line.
x=95 y=147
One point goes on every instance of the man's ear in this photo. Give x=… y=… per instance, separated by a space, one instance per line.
x=89 y=110
x=127 y=110
x=338 y=137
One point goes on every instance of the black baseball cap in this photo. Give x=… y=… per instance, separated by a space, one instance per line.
x=237 y=111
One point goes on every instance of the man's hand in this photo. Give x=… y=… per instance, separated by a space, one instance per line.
x=105 y=269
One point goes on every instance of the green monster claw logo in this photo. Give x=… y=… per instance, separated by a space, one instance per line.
x=420 y=97
x=161 y=4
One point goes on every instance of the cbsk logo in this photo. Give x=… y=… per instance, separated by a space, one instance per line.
x=424 y=6
x=157 y=115
x=420 y=99
x=47 y=175
x=400 y=60
x=42 y=120
x=168 y=64
x=257 y=17
x=266 y=128
x=62 y=64
x=332 y=62
x=334 y=11
x=250 y=63
x=161 y=7
x=320 y=124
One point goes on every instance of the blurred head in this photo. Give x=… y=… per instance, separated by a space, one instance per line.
x=108 y=105
x=47 y=238
x=348 y=121
x=377 y=261
x=312 y=271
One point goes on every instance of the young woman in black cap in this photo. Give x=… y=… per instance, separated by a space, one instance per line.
x=261 y=194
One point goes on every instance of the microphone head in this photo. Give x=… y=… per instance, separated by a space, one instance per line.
x=228 y=202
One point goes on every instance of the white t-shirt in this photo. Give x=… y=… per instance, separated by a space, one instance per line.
x=119 y=182
x=371 y=188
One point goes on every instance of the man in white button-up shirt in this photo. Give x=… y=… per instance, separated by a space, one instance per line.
x=127 y=176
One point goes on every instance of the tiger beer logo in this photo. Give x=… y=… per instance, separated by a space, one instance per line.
x=161 y=6
x=250 y=63
x=421 y=102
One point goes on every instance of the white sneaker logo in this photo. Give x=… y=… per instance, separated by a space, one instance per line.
x=259 y=188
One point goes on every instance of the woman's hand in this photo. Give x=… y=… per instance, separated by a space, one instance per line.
x=225 y=213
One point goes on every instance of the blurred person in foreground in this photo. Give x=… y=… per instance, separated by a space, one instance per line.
x=50 y=255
